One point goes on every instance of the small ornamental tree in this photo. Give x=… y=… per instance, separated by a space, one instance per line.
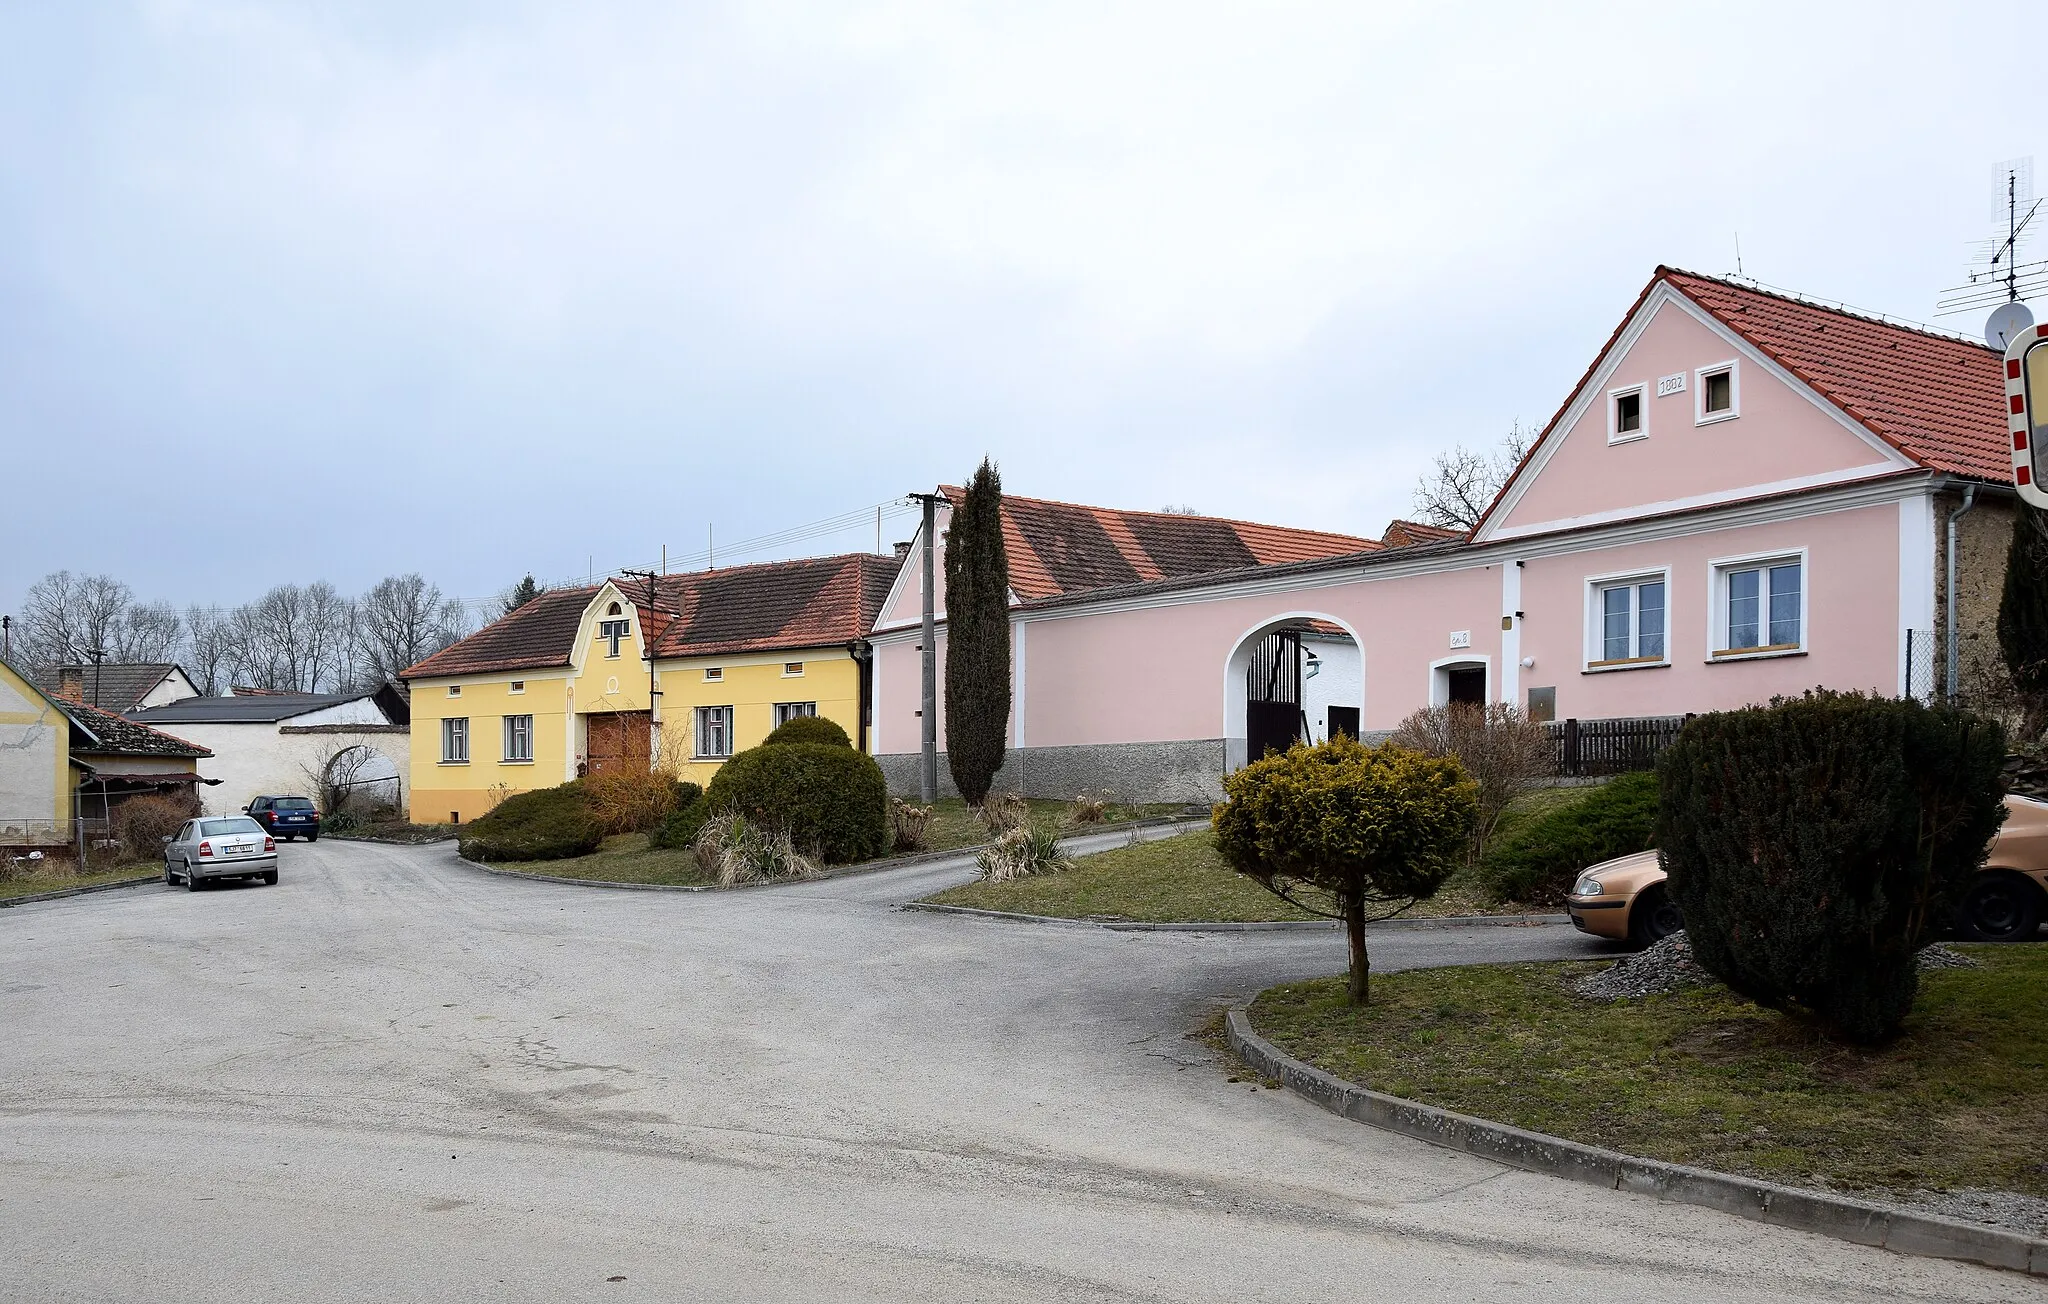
x=1815 y=845
x=977 y=637
x=1375 y=828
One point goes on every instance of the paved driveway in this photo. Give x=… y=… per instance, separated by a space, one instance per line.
x=395 y=1078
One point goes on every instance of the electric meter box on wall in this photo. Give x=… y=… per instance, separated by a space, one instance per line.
x=2026 y=400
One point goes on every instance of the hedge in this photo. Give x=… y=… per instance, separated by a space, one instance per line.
x=545 y=824
x=830 y=799
x=808 y=729
x=1537 y=859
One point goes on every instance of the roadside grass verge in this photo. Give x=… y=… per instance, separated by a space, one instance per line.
x=954 y=824
x=53 y=881
x=1703 y=1077
x=626 y=857
x=1180 y=879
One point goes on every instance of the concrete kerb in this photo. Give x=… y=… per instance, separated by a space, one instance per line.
x=1245 y=926
x=1812 y=1211
x=843 y=871
x=59 y=894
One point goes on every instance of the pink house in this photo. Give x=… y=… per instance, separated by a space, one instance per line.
x=1745 y=495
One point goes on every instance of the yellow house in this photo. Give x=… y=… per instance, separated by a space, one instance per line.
x=38 y=775
x=681 y=677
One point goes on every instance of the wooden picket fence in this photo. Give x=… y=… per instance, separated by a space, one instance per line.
x=1591 y=748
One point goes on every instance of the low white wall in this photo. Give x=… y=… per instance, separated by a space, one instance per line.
x=256 y=759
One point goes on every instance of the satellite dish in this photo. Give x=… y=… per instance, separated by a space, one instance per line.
x=2007 y=320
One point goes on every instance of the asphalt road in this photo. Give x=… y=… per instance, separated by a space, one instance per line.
x=394 y=1078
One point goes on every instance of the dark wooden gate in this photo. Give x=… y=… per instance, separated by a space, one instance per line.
x=1272 y=695
x=618 y=738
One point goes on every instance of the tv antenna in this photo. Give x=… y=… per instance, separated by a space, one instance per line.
x=2002 y=280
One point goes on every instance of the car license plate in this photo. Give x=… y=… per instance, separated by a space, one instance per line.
x=243 y=848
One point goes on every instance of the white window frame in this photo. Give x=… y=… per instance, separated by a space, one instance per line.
x=516 y=687
x=1718 y=572
x=1700 y=415
x=697 y=742
x=511 y=726
x=455 y=740
x=1596 y=661
x=1616 y=435
x=792 y=670
x=783 y=713
x=455 y=690
x=714 y=674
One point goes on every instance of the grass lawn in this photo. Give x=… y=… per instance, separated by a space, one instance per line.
x=1177 y=879
x=625 y=858
x=1703 y=1077
x=58 y=881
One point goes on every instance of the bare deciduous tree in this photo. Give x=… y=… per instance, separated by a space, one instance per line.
x=147 y=631
x=209 y=652
x=1455 y=491
x=1504 y=751
x=405 y=620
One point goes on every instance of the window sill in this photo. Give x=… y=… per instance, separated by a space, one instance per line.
x=1756 y=653
x=1715 y=418
x=721 y=759
x=526 y=761
x=451 y=762
x=1632 y=663
x=1629 y=438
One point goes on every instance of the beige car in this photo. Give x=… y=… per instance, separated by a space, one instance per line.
x=1625 y=899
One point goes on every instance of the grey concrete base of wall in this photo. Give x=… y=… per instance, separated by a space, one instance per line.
x=1246 y=926
x=1190 y=771
x=1783 y=1206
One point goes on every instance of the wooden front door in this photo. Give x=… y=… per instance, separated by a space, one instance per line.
x=619 y=738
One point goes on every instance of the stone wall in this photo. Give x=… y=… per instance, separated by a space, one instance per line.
x=1983 y=537
x=1189 y=771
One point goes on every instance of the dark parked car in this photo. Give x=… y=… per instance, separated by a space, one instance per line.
x=286 y=817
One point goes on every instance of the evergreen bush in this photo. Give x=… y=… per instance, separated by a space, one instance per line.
x=1815 y=845
x=977 y=637
x=545 y=824
x=1537 y=860
x=808 y=729
x=831 y=800
x=682 y=824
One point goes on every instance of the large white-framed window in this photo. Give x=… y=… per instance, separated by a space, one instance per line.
x=519 y=739
x=1628 y=413
x=1759 y=606
x=1717 y=393
x=787 y=711
x=714 y=732
x=612 y=632
x=455 y=740
x=1628 y=620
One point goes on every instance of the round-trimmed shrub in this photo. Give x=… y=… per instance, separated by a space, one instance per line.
x=808 y=729
x=1537 y=860
x=683 y=824
x=1815 y=845
x=545 y=824
x=830 y=799
x=687 y=793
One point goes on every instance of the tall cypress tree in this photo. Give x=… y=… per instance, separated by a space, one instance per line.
x=977 y=637
x=2023 y=614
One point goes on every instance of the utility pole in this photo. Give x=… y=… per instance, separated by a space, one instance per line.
x=647 y=650
x=928 y=771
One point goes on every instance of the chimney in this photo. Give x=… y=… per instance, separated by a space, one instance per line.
x=71 y=683
x=902 y=549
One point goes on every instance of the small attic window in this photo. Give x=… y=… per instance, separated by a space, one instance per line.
x=1625 y=414
x=455 y=690
x=712 y=674
x=517 y=686
x=612 y=610
x=1720 y=393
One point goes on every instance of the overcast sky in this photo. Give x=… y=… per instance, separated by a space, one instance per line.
x=476 y=289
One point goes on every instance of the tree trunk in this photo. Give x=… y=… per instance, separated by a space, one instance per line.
x=1360 y=988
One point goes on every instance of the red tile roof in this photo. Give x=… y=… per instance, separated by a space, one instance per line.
x=1407 y=534
x=1937 y=399
x=813 y=602
x=1060 y=549
x=117 y=735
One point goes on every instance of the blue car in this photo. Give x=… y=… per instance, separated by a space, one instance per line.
x=286 y=817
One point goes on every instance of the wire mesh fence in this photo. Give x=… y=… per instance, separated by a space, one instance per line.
x=1920 y=665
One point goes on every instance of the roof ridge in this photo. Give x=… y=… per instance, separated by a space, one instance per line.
x=1836 y=309
x=949 y=490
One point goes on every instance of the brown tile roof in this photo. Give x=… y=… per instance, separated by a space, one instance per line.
x=115 y=686
x=813 y=602
x=1407 y=534
x=1061 y=549
x=119 y=736
x=542 y=632
x=1937 y=399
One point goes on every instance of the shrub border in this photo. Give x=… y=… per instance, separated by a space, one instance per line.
x=1783 y=1206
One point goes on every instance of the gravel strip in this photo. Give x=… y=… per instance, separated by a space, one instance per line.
x=2007 y=1209
x=1669 y=966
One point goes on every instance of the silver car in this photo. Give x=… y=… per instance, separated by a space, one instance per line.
x=226 y=846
